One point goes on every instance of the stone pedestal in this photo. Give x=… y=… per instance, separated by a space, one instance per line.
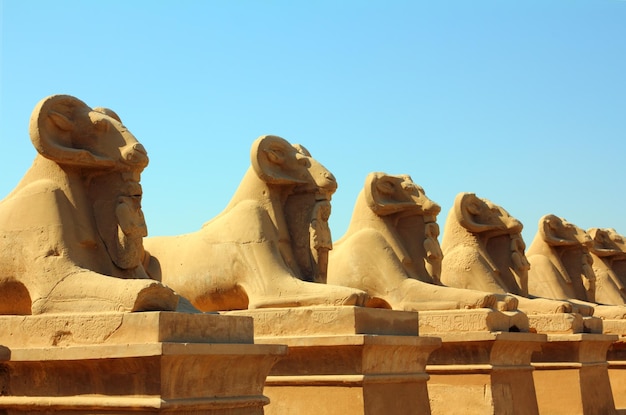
x=571 y=374
x=571 y=369
x=483 y=366
x=345 y=361
x=564 y=323
x=617 y=327
x=139 y=363
x=479 y=320
x=616 y=357
x=479 y=373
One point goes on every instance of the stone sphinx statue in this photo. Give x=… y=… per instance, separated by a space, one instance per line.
x=556 y=256
x=607 y=250
x=483 y=250
x=608 y=254
x=71 y=231
x=391 y=251
x=245 y=256
x=618 y=262
x=562 y=266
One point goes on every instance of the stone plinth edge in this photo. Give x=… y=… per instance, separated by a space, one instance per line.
x=478 y=320
x=330 y=321
x=122 y=328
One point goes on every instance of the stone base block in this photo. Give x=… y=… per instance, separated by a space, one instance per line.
x=478 y=320
x=571 y=375
x=484 y=373
x=116 y=364
x=330 y=321
x=122 y=328
x=617 y=327
x=346 y=361
x=569 y=323
x=616 y=357
x=617 y=377
x=593 y=325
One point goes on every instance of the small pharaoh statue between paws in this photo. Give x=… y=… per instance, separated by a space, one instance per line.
x=321 y=240
x=520 y=264
x=588 y=277
x=120 y=221
x=434 y=255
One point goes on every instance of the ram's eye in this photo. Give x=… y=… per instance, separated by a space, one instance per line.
x=303 y=160
x=101 y=124
x=410 y=188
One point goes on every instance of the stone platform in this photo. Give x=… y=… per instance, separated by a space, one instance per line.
x=571 y=374
x=616 y=357
x=564 y=323
x=486 y=372
x=345 y=361
x=478 y=320
x=139 y=363
x=481 y=373
x=483 y=366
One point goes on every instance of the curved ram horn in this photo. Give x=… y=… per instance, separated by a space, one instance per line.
x=55 y=132
x=269 y=155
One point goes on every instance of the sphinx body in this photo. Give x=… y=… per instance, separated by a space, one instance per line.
x=390 y=250
x=252 y=255
x=618 y=262
x=607 y=250
x=562 y=266
x=71 y=231
x=484 y=250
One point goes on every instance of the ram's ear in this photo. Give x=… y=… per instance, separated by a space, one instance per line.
x=56 y=133
x=302 y=150
x=109 y=112
x=273 y=158
x=468 y=208
x=597 y=234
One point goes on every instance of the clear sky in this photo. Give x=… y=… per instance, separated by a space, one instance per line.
x=520 y=102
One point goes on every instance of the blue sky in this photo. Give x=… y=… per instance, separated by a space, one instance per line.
x=520 y=102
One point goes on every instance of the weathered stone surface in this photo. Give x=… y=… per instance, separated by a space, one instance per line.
x=331 y=321
x=122 y=328
x=557 y=323
x=145 y=363
x=465 y=321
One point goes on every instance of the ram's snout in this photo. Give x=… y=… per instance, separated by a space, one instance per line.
x=135 y=155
